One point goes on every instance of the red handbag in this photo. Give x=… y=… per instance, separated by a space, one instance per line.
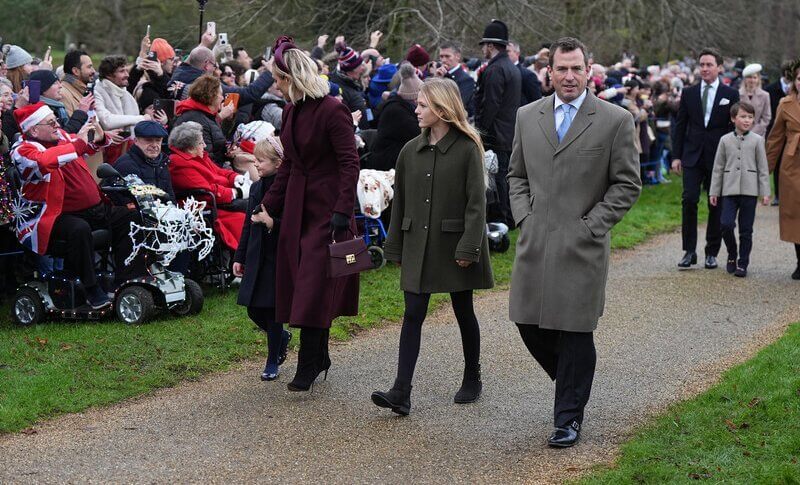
x=348 y=257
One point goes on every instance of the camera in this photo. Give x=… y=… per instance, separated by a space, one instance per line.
x=89 y=89
x=152 y=56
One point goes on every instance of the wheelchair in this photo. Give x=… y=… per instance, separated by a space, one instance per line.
x=53 y=294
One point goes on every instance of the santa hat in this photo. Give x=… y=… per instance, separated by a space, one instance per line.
x=247 y=135
x=348 y=57
x=31 y=115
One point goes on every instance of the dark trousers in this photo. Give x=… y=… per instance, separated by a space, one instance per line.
x=776 y=175
x=500 y=211
x=745 y=207
x=265 y=319
x=411 y=333
x=75 y=228
x=694 y=179
x=569 y=359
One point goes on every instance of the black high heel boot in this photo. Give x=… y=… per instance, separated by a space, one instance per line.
x=471 y=386
x=325 y=359
x=398 y=398
x=308 y=359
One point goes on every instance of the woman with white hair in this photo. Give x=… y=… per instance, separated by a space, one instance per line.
x=314 y=195
x=751 y=92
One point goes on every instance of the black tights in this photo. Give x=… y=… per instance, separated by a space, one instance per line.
x=797 y=252
x=411 y=334
x=265 y=319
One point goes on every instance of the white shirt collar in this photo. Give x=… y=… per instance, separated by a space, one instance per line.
x=575 y=104
x=454 y=69
x=713 y=85
x=784 y=85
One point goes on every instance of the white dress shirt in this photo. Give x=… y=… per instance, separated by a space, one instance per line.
x=576 y=104
x=712 y=93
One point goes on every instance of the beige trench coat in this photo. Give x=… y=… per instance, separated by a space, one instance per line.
x=567 y=197
x=784 y=143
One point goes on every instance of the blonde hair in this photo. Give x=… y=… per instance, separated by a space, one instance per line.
x=304 y=78
x=444 y=99
x=264 y=149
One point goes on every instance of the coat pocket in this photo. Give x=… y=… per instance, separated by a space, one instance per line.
x=406 y=225
x=590 y=152
x=452 y=225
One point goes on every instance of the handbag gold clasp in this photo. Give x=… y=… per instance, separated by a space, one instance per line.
x=350 y=258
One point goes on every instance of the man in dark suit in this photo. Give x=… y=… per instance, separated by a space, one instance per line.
x=777 y=91
x=703 y=118
x=450 y=57
x=531 y=87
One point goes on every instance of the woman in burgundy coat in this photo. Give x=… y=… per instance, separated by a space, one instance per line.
x=314 y=193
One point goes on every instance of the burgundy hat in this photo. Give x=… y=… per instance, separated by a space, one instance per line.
x=348 y=58
x=282 y=44
x=418 y=56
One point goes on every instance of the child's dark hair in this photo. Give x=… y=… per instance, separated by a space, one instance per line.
x=744 y=106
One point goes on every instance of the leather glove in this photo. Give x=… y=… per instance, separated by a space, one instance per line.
x=339 y=222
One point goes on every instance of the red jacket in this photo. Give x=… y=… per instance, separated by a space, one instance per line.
x=190 y=172
x=42 y=193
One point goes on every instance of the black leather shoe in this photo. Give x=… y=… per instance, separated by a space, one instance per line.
x=740 y=272
x=398 y=398
x=730 y=266
x=564 y=437
x=774 y=202
x=689 y=258
x=796 y=274
x=711 y=262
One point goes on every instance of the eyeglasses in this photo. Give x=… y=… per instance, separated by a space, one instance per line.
x=227 y=73
x=51 y=124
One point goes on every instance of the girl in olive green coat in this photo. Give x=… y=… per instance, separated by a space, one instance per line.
x=438 y=233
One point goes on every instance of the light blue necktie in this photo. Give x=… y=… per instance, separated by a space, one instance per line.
x=562 y=129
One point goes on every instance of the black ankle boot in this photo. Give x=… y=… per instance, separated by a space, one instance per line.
x=471 y=387
x=309 y=360
x=398 y=398
x=796 y=274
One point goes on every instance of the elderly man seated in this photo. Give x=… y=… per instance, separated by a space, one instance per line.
x=145 y=159
x=65 y=202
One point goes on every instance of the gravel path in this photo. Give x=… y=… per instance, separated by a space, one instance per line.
x=666 y=335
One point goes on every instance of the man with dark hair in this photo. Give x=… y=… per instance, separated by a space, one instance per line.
x=531 y=87
x=574 y=174
x=703 y=118
x=450 y=57
x=496 y=104
x=777 y=91
x=240 y=56
x=115 y=106
x=78 y=73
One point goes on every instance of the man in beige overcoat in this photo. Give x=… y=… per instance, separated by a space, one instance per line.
x=573 y=175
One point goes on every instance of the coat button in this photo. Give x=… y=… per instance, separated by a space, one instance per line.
x=425 y=227
x=428 y=175
x=427 y=201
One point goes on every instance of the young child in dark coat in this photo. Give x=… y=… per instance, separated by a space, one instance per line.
x=254 y=260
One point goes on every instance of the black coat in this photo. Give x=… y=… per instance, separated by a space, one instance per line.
x=256 y=251
x=397 y=124
x=352 y=96
x=776 y=93
x=213 y=136
x=466 y=86
x=531 y=87
x=693 y=142
x=497 y=101
x=153 y=172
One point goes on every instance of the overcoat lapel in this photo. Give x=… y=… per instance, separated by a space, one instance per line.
x=547 y=122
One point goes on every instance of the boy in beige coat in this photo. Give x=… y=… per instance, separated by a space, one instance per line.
x=740 y=176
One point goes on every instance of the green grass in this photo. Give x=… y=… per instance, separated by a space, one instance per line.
x=746 y=429
x=60 y=367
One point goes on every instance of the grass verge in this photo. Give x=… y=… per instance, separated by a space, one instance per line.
x=61 y=367
x=746 y=429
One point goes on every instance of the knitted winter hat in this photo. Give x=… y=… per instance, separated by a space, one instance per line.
x=162 y=49
x=418 y=56
x=410 y=83
x=247 y=135
x=31 y=115
x=348 y=58
x=45 y=77
x=16 y=56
